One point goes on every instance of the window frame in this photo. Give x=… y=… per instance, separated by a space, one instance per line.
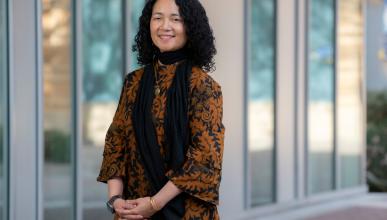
x=5 y=114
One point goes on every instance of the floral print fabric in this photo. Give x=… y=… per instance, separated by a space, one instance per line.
x=200 y=175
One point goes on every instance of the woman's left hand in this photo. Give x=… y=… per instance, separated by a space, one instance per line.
x=143 y=208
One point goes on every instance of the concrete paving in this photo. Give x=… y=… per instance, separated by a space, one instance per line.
x=355 y=213
x=365 y=207
x=371 y=207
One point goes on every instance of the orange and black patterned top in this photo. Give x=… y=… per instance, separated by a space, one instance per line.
x=200 y=175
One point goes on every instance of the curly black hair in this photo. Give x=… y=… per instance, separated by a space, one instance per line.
x=200 y=44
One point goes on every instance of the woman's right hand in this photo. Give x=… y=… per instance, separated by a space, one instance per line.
x=122 y=207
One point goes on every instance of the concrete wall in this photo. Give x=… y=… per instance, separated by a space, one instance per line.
x=23 y=110
x=227 y=20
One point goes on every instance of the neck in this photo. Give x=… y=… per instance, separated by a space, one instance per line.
x=171 y=57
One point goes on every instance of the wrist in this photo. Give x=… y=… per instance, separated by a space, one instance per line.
x=155 y=204
x=115 y=202
x=110 y=203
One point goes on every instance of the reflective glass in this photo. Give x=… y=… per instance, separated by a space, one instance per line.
x=320 y=106
x=103 y=70
x=135 y=13
x=3 y=107
x=58 y=182
x=350 y=90
x=376 y=73
x=260 y=103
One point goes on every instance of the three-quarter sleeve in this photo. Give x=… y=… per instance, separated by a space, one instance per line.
x=200 y=174
x=113 y=163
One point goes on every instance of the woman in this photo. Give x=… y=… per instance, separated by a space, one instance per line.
x=163 y=151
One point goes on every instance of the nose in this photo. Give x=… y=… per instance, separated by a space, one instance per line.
x=166 y=25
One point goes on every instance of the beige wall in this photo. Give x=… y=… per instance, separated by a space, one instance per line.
x=227 y=20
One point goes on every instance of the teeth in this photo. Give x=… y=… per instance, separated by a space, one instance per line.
x=165 y=37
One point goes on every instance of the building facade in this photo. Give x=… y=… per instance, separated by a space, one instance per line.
x=293 y=79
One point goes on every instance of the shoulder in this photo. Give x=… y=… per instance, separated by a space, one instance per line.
x=133 y=77
x=202 y=82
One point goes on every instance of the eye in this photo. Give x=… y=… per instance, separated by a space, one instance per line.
x=156 y=17
x=176 y=19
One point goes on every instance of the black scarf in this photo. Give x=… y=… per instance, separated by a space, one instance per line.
x=175 y=127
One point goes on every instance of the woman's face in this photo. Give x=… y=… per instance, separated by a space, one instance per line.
x=167 y=26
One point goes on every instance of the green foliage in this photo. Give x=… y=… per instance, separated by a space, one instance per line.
x=57 y=146
x=377 y=141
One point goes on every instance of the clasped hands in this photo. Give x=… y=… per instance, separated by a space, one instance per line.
x=140 y=208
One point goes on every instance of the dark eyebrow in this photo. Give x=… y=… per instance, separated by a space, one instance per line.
x=172 y=15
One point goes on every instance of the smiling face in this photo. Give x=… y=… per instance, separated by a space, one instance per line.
x=167 y=26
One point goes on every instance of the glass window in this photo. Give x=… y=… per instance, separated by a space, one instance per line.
x=135 y=13
x=58 y=120
x=320 y=89
x=376 y=29
x=349 y=94
x=103 y=70
x=3 y=109
x=103 y=40
x=260 y=102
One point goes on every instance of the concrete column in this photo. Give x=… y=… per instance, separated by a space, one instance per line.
x=23 y=110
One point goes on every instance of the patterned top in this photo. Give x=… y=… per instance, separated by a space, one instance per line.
x=200 y=175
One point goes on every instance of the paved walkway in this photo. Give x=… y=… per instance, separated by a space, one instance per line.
x=367 y=207
x=355 y=213
x=372 y=207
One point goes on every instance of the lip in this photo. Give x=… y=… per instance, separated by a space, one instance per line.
x=166 y=37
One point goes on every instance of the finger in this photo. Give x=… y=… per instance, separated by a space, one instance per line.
x=123 y=212
x=132 y=212
x=133 y=217
x=130 y=201
x=129 y=206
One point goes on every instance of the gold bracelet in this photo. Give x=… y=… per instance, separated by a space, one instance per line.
x=153 y=204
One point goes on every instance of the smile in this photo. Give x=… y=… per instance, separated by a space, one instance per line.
x=166 y=37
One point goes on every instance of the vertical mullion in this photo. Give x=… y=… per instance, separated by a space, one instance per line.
x=296 y=99
x=300 y=98
x=22 y=127
x=247 y=163
x=363 y=162
x=40 y=109
x=73 y=91
x=306 y=102
x=11 y=191
x=336 y=158
x=126 y=24
x=77 y=108
x=6 y=133
x=274 y=163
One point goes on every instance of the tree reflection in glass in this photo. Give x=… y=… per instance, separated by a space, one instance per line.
x=320 y=107
x=260 y=105
x=103 y=41
x=58 y=178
